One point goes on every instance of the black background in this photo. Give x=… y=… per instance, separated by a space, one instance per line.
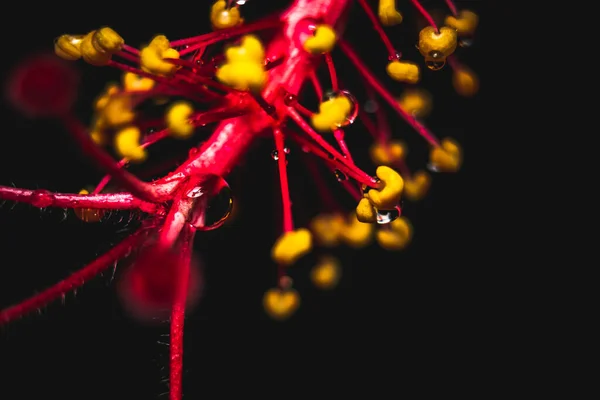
x=412 y=312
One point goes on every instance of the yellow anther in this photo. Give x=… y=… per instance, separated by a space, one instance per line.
x=417 y=186
x=416 y=102
x=127 y=144
x=365 y=212
x=465 y=23
x=223 y=17
x=322 y=41
x=118 y=111
x=327 y=273
x=244 y=67
x=465 y=82
x=397 y=236
x=403 y=71
x=68 y=47
x=435 y=47
x=152 y=57
x=447 y=157
x=178 y=121
x=388 y=197
x=388 y=15
x=103 y=99
x=249 y=50
x=326 y=229
x=332 y=113
x=107 y=40
x=88 y=214
x=134 y=82
x=280 y=304
x=91 y=54
x=355 y=233
x=291 y=246
x=387 y=153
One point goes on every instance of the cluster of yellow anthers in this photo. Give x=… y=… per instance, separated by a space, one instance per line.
x=114 y=109
x=244 y=70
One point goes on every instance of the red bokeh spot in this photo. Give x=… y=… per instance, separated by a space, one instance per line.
x=148 y=287
x=43 y=86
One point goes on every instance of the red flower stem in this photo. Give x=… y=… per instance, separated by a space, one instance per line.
x=338 y=134
x=115 y=201
x=131 y=49
x=393 y=54
x=183 y=89
x=178 y=313
x=332 y=73
x=425 y=14
x=138 y=188
x=302 y=110
x=128 y=57
x=74 y=281
x=288 y=222
x=220 y=153
x=361 y=175
x=224 y=34
x=316 y=84
x=175 y=220
x=198 y=120
x=316 y=150
x=452 y=7
x=379 y=88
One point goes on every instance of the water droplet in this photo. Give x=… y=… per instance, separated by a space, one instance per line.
x=193 y=151
x=214 y=202
x=305 y=149
x=339 y=175
x=431 y=167
x=286 y=150
x=435 y=61
x=42 y=198
x=371 y=106
x=275 y=155
x=354 y=105
x=290 y=99
x=387 y=216
x=466 y=42
x=241 y=2
x=394 y=57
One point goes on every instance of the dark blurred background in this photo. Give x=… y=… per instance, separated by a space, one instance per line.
x=414 y=311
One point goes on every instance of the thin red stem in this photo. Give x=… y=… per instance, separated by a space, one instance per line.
x=362 y=177
x=393 y=54
x=317 y=151
x=74 y=281
x=452 y=7
x=425 y=14
x=380 y=89
x=44 y=198
x=316 y=84
x=224 y=34
x=288 y=222
x=131 y=49
x=178 y=313
x=332 y=72
x=137 y=187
